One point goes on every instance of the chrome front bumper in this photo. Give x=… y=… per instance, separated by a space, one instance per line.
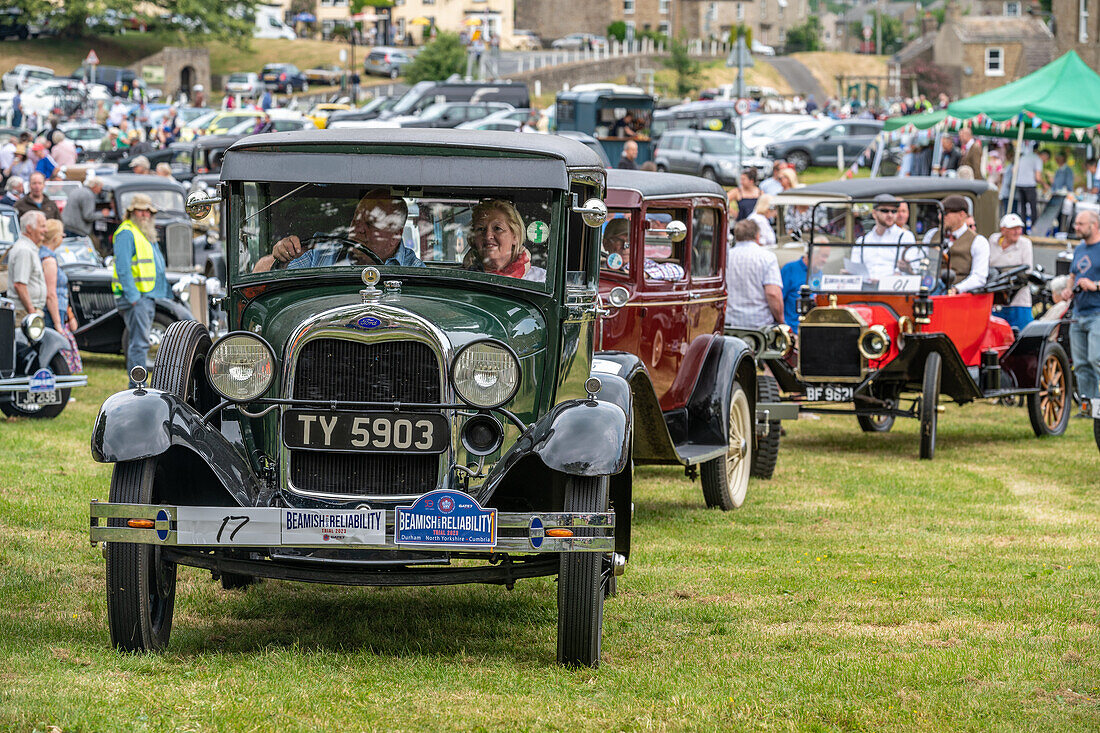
x=270 y=527
x=23 y=384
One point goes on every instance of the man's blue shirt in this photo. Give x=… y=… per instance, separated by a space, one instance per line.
x=794 y=274
x=1086 y=263
x=124 y=255
x=329 y=256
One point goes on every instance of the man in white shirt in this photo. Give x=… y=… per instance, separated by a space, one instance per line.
x=118 y=113
x=28 y=283
x=967 y=251
x=753 y=283
x=882 y=262
x=1028 y=176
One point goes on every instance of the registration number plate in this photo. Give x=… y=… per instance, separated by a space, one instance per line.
x=830 y=393
x=34 y=399
x=366 y=432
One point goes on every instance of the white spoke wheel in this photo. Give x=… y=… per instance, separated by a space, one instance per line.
x=1049 y=410
x=726 y=479
x=929 y=406
x=581 y=580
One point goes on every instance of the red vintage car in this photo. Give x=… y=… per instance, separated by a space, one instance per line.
x=662 y=282
x=876 y=333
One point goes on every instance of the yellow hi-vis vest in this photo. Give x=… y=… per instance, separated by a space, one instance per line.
x=143 y=267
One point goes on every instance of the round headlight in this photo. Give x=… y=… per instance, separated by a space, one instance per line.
x=241 y=366
x=780 y=340
x=34 y=326
x=485 y=374
x=874 y=342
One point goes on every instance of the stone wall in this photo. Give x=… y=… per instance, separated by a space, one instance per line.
x=553 y=19
x=554 y=78
x=182 y=67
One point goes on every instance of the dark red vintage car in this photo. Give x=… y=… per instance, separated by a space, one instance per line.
x=662 y=282
x=876 y=334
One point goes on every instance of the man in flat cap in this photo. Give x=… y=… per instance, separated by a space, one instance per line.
x=967 y=251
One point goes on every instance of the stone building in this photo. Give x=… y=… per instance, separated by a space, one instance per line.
x=1077 y=28
x=175 y=69
x=494 y=17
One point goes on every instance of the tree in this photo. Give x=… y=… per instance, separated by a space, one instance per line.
x=686 y=68
x=893 y=33
x=438 y=59
x=805 y=37
x=617 y=30
x=194 y=20
x=931 y=79
x=743 y=31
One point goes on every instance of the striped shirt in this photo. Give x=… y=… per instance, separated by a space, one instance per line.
x=748 y=269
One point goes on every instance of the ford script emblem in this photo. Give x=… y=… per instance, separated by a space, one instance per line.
x=369 y=322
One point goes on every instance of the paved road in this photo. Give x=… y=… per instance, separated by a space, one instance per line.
x=797 y=75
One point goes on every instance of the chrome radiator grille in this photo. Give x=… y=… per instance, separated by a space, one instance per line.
x=352 y=371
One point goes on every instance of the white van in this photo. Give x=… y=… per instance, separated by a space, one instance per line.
x=269 y=24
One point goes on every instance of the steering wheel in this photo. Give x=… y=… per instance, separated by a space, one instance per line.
x=344 y=241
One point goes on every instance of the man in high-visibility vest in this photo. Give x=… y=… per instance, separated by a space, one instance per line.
x=138 y=277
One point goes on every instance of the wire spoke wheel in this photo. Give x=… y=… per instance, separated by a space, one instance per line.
x=1049 y=408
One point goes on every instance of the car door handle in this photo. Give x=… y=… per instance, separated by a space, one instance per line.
x=694 y=296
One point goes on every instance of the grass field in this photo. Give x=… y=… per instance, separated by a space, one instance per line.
x=860 y=589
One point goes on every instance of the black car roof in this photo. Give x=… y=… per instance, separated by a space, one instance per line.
x=139 y=180
x=423 y=158
x=899 y=186
x=651 y=184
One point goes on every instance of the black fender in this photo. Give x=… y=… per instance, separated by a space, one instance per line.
x=708 y=409
x=583 y=438
x=215 y=266
x=144 y=423
x=907 y=368
x=174 y=308
x=1022 y=359
x=39 y=354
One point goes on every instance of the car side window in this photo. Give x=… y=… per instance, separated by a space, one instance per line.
x=615 y=243
x=704 y=243
x=675 y=142
x=663 y=260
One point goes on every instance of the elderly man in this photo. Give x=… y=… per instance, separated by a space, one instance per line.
x=63 y=150
x=882 y=262
x=28 y=282
x=971 y=153
x=630 y=154
x=37 y=200
x=140 y=165
x=753 y=281
x=1084 y=334
x=138 y=277
x=1009 y=248
x=80 y=214
x=967 y=251
x=375 y=238
x=13 y=190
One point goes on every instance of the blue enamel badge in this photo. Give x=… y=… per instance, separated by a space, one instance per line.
x=368 y=322
x=446 y=518
x=43 y=381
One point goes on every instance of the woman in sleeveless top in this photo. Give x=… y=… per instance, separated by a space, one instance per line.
x=746 y=194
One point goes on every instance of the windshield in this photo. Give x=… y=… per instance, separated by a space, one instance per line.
x=311 y=227
x=9 y=227
x=163 y=199
x=239 y=78
x=189 y=114
x=724 y=145
x=77 y=250
x=873 y=268
x=412 y=97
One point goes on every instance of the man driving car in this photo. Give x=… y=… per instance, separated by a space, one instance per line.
x=374 y=238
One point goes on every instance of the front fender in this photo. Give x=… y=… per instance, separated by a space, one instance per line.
x=145 y=423
x=583 y=438
x=44 y=350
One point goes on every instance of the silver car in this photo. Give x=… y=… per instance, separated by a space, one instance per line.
x=247 y=84
x=25 y=75
x=712 y=155
x=386 y=61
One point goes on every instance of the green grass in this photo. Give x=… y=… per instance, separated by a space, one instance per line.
x=859 y=589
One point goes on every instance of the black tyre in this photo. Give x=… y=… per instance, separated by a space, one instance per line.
x=395 y=72
x=767 y=447
x=1049 y=410
x=929 y=406
x=800 y=159
x=580 y=581
x=662 y=168
x=236 y=581
x=141 y=586
x=726 y=479
x=161 y=322
x=708 y=173
x=60 y=369
x=869 y=423
x=1096 y=432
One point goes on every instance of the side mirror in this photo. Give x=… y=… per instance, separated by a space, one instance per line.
x=199 y=205
x=594 y=212
x=676 y=230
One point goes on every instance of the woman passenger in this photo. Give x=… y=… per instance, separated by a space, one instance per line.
x=498 y=235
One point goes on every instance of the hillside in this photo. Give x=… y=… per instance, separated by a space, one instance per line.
x=826 y=65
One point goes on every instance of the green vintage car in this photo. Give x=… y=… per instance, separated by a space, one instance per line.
x=406 y=393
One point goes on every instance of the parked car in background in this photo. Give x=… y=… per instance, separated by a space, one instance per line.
x=115 y=78
x=35 y=379
x=589 y=142
x=197 y=126
x=505 y=119
x=426 y=93
x=443 y=114
x=326 y=75
x=319 y=113
x=277 y=120
x=761 y=49
x=525 y=40
x=579 y=41
x=386 y=61
x=85 y=135
x=712 y=155
x=25 y=75
x=284 y=78
x=14 y=23
x=820 y=146
x=199 y=157
x=245 y=83
x=368 y=111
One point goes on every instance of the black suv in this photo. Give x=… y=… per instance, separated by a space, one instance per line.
x=115 y=78
x=820 y=146
x=284 y=78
